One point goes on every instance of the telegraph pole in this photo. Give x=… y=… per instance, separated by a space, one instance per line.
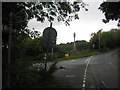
x=9 y=50
x=74 y=47
x=9 y=46
x=99 y=38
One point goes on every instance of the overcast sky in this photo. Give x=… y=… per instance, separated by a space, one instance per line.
x=89 y=21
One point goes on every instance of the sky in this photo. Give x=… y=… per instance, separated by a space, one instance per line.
x=89 y=21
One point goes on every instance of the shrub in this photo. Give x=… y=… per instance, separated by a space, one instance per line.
x=23 y=75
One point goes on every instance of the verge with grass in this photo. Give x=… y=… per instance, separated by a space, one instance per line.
x=77 y=56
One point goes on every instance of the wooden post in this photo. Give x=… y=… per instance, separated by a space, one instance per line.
x=9 y=50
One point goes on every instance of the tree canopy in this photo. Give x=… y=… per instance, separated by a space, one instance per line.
x=111 y=11
x=108 y=39
x=19 y=13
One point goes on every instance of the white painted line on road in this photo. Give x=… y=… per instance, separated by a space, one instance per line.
x=86 y=60
x=88 y=63
x=103 y=83
x=83 y=85
x=84 y=80
x=84 y=75
x=70 y=76
x=112 y=65
x=72 y=60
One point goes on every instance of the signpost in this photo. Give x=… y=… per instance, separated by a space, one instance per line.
x=49 y=35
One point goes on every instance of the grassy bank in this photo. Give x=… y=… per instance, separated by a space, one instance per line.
x=77 y=56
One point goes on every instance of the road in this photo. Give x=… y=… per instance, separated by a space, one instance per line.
x=99 y=71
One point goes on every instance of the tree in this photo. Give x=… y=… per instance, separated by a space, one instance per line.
x=15 y=18
x=34 y=47
x=111 y=11
x=17 y=14
x=82 y=47
x=109 y=39
x=14 y=14
x=24 y=11
x=94 y=40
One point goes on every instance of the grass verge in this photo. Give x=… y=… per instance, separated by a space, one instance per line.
x=77 y=56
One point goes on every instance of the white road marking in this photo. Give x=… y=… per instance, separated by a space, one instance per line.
x=112 y=65
x=72 y=60
x=83 y=85
x=83 y=81
x=88 y=61
x=103 y=83
x=70 y=76
x=84 y=75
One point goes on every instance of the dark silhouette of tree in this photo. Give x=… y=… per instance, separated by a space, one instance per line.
x=22 y=12
x=111 y=11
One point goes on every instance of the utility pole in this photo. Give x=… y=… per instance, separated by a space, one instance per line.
x=9 y=50
x=9 y=47
x=99 y=32
x=74 y=47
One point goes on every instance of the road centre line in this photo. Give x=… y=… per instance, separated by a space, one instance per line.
x=84 y=80
x=86 y=60
x=85 y=75
x=83 y=85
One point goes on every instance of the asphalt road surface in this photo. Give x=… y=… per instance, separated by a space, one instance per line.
x=99 y=71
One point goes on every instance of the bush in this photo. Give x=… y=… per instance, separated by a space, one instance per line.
x=23 y=75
